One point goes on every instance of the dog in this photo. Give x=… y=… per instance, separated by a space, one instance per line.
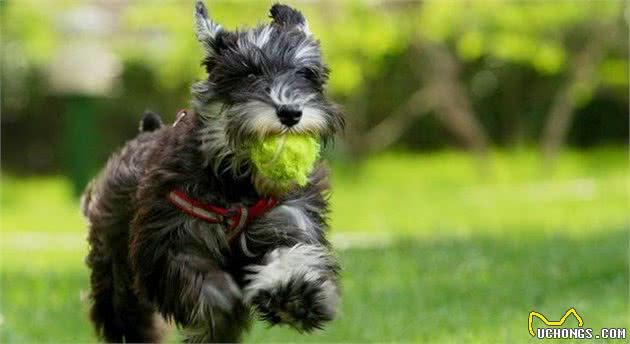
x=182 y=228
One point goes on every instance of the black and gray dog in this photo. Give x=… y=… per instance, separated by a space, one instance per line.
x=181 y=226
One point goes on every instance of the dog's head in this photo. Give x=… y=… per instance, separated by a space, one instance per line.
x=266 y=80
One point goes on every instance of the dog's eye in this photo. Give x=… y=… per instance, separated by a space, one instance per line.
x=307 y=73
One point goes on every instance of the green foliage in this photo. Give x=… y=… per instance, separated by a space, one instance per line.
x=512 y=58
x=35 y=42
x=161 y=35
x=527 y=32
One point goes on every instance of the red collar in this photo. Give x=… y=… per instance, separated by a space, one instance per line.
x=234 y=218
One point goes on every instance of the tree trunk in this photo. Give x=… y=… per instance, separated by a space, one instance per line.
x=582 y=72
x=442 y=93
x=452 y=101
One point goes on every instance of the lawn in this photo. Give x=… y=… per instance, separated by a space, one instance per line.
x=477 y=289
x=433 y=249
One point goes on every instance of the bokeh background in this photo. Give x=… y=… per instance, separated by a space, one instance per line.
x=483 y=173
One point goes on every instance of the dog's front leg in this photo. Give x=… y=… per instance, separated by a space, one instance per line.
x=189 y=288
x=296 y=281
x=296 y=286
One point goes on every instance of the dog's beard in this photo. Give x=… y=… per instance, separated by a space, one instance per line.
x=256 y=120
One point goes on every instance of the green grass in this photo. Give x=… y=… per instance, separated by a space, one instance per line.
x=449 y=193
x=479 y=290
x=472 y=253
x=412 y=194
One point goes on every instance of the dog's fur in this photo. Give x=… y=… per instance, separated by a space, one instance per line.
x=149 y=260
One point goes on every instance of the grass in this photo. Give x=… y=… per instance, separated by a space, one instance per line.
x=472 y=253
x=411 y=194
x=478 y=290
x=447 y=192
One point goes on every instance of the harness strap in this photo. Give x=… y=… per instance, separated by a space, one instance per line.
x=235 y=219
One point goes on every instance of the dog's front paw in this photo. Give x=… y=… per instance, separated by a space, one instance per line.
x=304 y=304
x=296 y=287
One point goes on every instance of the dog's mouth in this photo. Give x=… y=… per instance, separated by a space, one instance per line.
x=245 y=126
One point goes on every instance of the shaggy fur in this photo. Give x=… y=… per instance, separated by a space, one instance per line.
x=149 y=260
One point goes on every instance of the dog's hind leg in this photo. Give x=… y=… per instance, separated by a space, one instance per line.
x=102 y=311
x=218 y=326
x=117 y=313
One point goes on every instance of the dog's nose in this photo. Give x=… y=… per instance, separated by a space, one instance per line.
x=289 y=115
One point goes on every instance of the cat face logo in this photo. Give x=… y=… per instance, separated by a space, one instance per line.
x=560 y=322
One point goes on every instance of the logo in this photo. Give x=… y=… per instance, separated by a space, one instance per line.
x=579 y=332
x=560 y=322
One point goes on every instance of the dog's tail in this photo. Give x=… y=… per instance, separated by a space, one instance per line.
x=151 y=121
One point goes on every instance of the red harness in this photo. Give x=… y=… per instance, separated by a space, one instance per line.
x=235 y=218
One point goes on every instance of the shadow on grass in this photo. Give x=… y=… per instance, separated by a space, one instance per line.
x=477 y=289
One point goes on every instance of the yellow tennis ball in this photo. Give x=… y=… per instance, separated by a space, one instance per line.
x=285 y=159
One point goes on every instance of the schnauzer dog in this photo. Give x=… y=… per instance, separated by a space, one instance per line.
x=181 y=226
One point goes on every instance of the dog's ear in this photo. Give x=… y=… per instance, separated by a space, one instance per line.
x=205 y=28
x=287 y=17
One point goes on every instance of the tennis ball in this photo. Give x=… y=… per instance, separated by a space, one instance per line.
x=286 y=159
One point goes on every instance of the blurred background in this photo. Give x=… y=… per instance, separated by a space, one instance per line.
x=483 y=173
